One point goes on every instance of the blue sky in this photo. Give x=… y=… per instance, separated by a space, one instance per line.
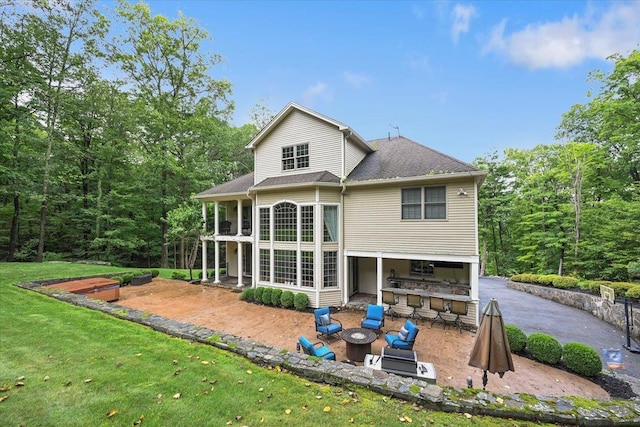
x=464 y=78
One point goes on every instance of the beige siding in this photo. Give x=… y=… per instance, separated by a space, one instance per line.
x=330 y=299
x=353 y=156
x=330 y=196
x=300 y=196
x=372 y=222
x=325 y=146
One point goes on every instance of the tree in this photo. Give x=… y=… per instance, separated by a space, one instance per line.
x=169 y=79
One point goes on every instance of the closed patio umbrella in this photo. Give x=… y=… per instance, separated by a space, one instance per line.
x=491 y=351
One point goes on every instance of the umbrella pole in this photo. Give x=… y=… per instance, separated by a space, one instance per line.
x=484 y=380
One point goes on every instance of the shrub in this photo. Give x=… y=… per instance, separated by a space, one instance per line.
x=126 y=279
x=301 y=301
x=546 y=279
x=287 y=299
x=517 y=338
x=155 y=273
x=523 y=278
x=266 y=296
x=544 y=348
x=621 y=288
x=117 y=278
x=247 y=295
x=178 y=275
x=276 y=295
x=565 y=282
x=146 y=272
x=595 y=285
x=633 y=268
x=257 y=295
x=634 y=292
x=581 y=359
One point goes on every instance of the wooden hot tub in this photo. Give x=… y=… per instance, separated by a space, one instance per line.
x=95 y=287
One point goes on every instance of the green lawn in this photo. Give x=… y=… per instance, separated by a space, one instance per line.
x=62 y=365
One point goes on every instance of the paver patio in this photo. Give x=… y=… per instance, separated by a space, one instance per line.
x=220 y=309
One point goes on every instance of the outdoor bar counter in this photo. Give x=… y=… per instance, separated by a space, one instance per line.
x=456 y=303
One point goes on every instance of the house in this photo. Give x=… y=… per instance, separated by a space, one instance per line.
x=329 y=214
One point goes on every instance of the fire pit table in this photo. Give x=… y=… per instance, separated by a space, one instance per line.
x=358 y=342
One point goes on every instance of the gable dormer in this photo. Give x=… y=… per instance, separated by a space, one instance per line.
x=299 y=141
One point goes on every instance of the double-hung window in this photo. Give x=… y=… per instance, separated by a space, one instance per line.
x=424 y=202
x=295 y=157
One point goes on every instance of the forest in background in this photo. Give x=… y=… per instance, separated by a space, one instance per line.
x=109 y=123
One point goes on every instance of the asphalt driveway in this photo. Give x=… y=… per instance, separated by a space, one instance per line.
x=534 y=314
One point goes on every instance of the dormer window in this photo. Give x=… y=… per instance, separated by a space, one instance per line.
x=295 y=157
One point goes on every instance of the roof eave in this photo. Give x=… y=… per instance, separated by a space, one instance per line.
x=478 y=175
x=296 y=185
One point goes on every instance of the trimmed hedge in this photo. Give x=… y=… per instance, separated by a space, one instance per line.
x=287 y=299
x=634 y=292
x=517 y=338
x=301 y=301
x=565 y=282
x=544 y=348
x=276 y=295
x=266 y=296
x=247 y=295
x=257 y=295
x=581 y=359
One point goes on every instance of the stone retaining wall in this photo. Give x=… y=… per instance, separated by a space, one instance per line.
x=560 y=410
x=602 y=309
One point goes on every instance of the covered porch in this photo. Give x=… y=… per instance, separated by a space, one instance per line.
x=422 y=286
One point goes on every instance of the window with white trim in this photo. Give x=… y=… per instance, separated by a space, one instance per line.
x=295 y=157
x=424 y=202
x=306 y=268
x=330 y=223
x=285 y=222
x=265 y=265
x=285 y=267
x=330 y=269
x=265 y=229
x=306 y=215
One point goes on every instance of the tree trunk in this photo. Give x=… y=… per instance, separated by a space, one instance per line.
x=13 y=235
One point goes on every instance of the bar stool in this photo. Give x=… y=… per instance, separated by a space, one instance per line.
x=437 y=304
x=415 y=301
x=391 y=299
x=459 y=308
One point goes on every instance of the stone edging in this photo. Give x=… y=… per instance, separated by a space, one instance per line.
x=561 y=410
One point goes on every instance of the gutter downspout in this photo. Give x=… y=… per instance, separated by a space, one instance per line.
x=342 y=258
x=254 y=251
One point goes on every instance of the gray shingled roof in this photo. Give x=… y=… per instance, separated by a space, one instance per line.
x=400 y=157
x=303 y=178
x=235 y=186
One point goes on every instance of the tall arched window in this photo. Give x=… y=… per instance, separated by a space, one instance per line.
x=285 y=222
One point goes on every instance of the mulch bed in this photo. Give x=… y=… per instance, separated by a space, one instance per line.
x=615 y=387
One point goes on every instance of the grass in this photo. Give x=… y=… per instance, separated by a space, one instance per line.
x=79 y=367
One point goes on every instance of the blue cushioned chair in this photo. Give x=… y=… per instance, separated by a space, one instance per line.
x=374 y=318
x=318 y=349
x=404 y=338
x=325 y=325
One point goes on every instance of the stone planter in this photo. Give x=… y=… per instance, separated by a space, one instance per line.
x=141 y=280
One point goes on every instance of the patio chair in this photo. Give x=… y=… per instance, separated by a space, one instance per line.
x=459 y=308
x=316 y=349
x=325 y=325
x=391 y=299
x=374 y=319
x=404 y=338
x=415 y=301
x=437 y=304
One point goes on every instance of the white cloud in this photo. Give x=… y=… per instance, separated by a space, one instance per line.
x=356 y=80
x=571 y=40
x=462 y=16
x=319 y=90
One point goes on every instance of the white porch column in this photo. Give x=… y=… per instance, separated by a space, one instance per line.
x=345 y=280
x=379 y=279
x=216 y=218
x=204 y=243
x=216 y=263
x=473 y=281
x=240 y=272
x=239 y=220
